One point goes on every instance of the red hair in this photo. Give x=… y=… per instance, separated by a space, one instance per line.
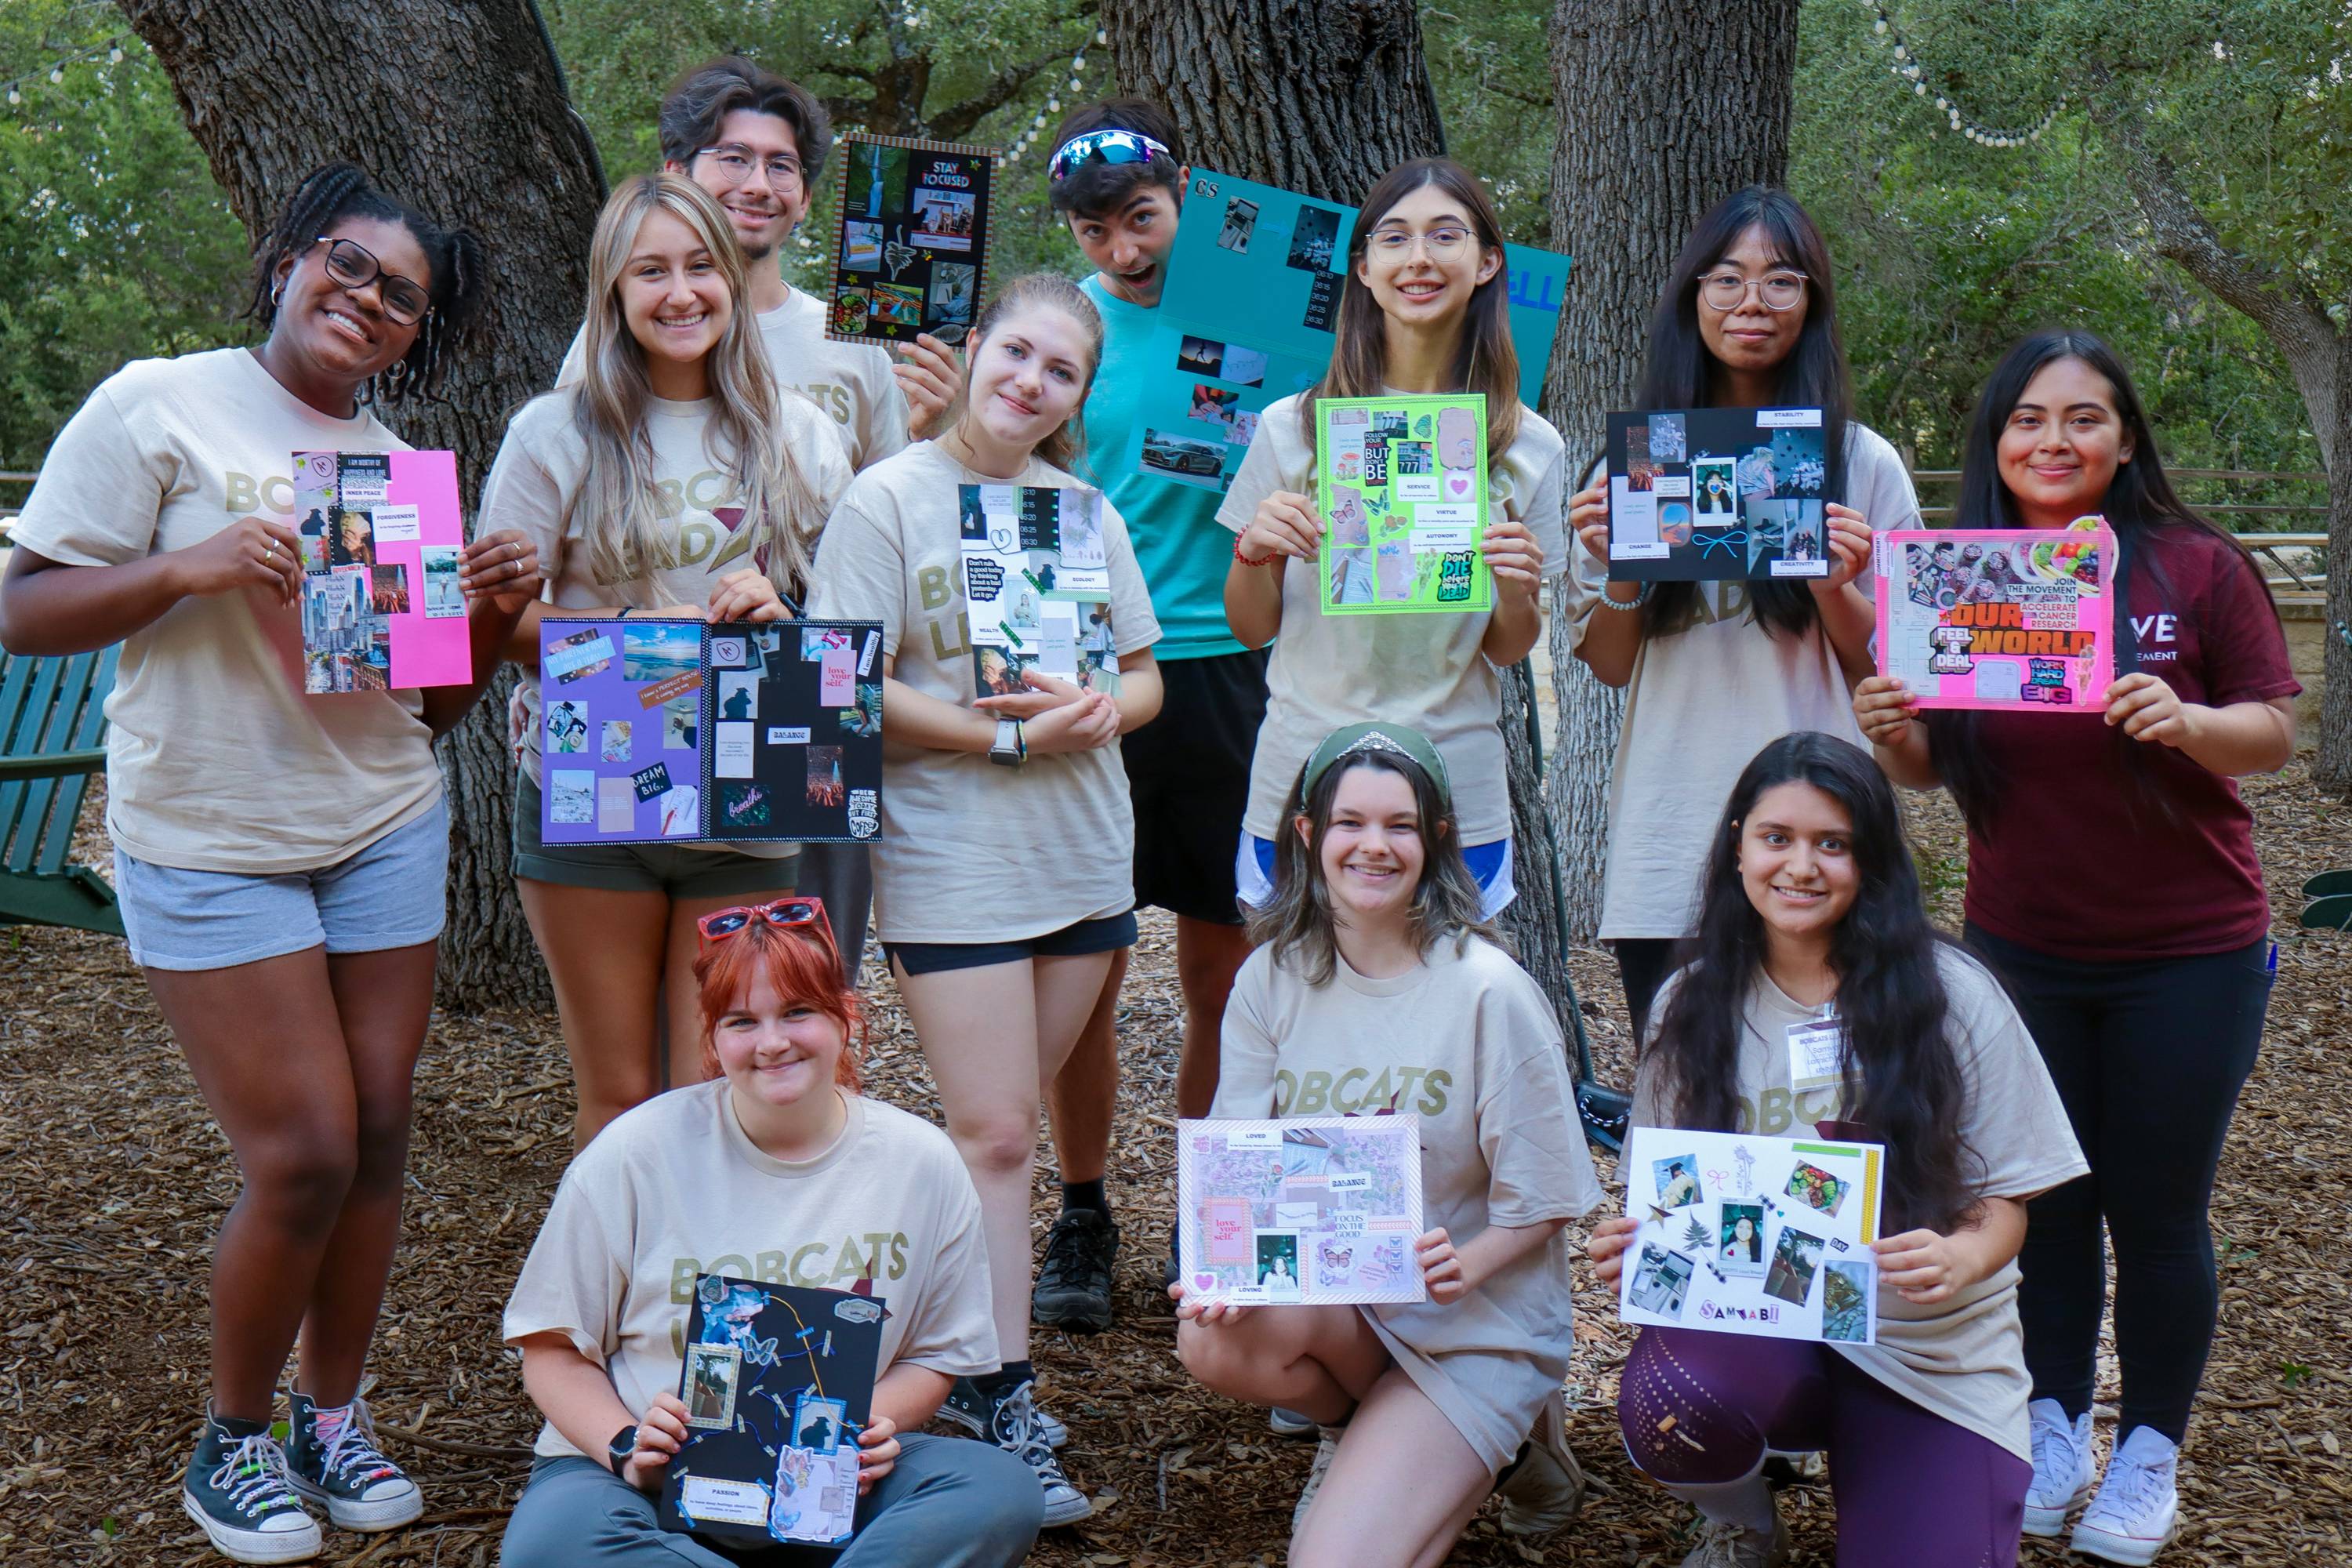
x=800 y=961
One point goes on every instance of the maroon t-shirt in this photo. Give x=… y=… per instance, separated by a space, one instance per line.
x=2060 y=863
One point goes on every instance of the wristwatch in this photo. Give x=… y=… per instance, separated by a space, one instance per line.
x=622 y=1447
x=1011 y=749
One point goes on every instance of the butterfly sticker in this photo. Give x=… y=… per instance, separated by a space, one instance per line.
x=1420 y=426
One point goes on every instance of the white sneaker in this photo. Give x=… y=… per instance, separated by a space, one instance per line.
x=1289 y=1423
x=2138 y=1507
x=1544 y=1489
x=1722 y=1544
x=1327 y=1448
x=2062 y=1466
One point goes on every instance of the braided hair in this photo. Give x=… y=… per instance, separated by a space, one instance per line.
x=339 y=190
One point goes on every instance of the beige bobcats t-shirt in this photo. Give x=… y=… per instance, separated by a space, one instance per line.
x=1963 y=1359
x=971 y=850
x=851 y=383
x=676 y=1187
x=217 y=761
x=1706 y=697
x=1467 y=1042
x=540 y=467
x=1421 y=670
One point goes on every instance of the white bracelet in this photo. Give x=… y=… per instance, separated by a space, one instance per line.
x=1626 y=606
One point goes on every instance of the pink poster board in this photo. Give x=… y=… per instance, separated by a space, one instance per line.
x=2013 y=620
x=381 y=534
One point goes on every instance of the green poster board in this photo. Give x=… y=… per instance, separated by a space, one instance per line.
x=1401 y=483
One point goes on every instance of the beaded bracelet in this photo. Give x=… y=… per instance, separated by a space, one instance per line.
x=1627 y=606
x=1268 y=559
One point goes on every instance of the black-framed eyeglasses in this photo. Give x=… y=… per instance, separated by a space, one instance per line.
x=1728 y=290
x=355 y=265
x=734 y=164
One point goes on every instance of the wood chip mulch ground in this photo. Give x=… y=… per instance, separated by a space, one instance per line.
x=112 y=1179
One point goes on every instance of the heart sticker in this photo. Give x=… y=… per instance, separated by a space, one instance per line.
x=1458 y=483
x=1203 y=1281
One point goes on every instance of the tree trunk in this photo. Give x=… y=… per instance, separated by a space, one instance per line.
x=460 y=110
x=1324 y=97
x=1664 y=111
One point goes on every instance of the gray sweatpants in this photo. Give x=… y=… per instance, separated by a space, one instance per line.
x=950 y=1502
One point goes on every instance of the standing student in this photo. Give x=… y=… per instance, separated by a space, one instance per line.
x=1426 y=311
x=758 y=143
x=1001 y=883
x=1810 y=908
x=280 y=857
x=1712 y=671
x=781 y=1150
x=1118 y=177
x=2113 y=886
x=676 y=477
x=1378 y=969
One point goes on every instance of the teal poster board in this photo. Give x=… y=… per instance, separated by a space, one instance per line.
x=1247 y=315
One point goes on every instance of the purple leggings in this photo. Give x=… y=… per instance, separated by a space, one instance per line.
x=1913 y=1489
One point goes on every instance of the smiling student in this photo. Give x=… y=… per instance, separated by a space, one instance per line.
x=675 y=479
x=1713 y=670
x=1002 y=879
x=1377 y=966
x=281 y=859
x=1426 y=311
x=1118 y=177
x=2113 y=885
x=1810 y=907
x=778 y=1149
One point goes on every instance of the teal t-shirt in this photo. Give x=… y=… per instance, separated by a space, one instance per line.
x=1182 y=548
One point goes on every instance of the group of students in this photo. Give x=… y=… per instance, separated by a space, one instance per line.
x=1328 y=823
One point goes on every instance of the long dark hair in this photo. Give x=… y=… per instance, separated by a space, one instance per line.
x=1297 y=923
x=1900 y=1063
x=1485 y=361
x=460 y=281
x=1681 y=372
x=2141 y=505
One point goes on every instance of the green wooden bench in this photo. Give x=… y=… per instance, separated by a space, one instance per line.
x=52 y=738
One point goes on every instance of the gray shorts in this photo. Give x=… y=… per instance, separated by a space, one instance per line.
x=389 y=894
x=671 y=868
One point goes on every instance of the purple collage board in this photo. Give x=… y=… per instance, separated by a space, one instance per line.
x=621 y=726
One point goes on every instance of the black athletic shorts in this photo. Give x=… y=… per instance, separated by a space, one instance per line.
x=1188 y=771
x=1108 y=934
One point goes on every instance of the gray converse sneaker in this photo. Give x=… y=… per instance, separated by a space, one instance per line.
x=969 y=1409
x=331 y=1457
x=1327 y=1448
x=2062 y=1466
x=238 y=1492
x=1545 y=1486
x=1014 y=1427
x=1722 y=1544
x=2138 y=1506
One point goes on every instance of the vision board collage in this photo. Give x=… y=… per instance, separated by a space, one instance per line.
x=1717 y=494
x=680 y=730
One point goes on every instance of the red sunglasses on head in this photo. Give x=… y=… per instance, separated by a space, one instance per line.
x=719 y=924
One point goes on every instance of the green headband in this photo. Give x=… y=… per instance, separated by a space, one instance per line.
x=1398 y=739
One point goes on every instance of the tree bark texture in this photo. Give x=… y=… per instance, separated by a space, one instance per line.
x=1664 y=110
x=456 y=107
x=2318 y=354
x=1324 y=97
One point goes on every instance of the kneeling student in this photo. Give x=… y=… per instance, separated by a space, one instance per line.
x=1377 y=966
x=1811 y=902
x=778 y=1150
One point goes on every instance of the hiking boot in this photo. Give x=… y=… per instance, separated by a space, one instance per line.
x=1722 y=1544
x=1327 y=1448
x=237 y=1490
x=331 y=1457
x=1073 y=1289
x=1014 y=1426
x=1289 y=1423
x=2138 y=1507
x=968 y=1407
x=1544 y=1487
x=2062 y=1466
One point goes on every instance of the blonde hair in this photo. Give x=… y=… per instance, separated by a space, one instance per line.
x=1065 y=447
x=618 y=505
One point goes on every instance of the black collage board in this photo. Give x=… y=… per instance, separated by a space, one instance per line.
x=910 y=248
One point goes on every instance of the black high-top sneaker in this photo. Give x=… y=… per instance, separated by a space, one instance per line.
x=239 y=1490
x=333 y=1458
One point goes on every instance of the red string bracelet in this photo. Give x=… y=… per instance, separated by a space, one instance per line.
x=1266 y=560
